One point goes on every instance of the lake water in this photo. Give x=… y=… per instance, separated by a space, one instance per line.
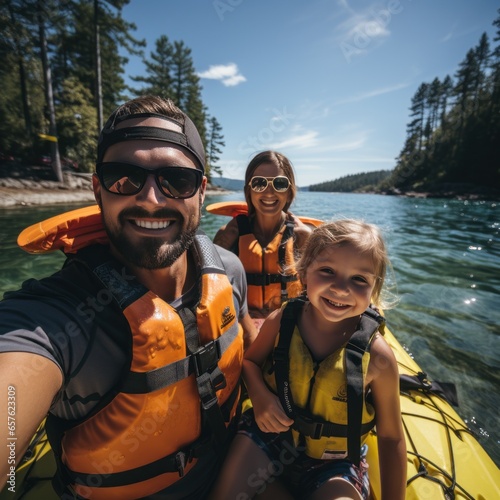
x=446 y=260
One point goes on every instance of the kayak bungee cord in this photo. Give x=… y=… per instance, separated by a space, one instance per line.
x=33 y=453
x=449 y=491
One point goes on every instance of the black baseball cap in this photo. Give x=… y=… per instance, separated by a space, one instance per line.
x=189 y=138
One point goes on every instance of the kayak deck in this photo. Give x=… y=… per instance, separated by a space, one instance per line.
x=444 y=458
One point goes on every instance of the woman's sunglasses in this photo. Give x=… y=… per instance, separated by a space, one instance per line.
x=126 y=179
x=259 y=184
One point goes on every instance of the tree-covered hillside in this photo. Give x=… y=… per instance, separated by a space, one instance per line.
x=453 y=138
x=363 y=182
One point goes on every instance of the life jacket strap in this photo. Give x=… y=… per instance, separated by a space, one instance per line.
x=358 y=344
x=204 y=358
x=280 y=355
x=317 y=428
x=287 y=234
x=175 y=462
x=261 y=279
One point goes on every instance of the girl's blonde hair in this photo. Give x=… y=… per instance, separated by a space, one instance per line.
x=367 y=238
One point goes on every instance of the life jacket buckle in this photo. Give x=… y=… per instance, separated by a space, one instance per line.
x=180 y=462
x=280 y=354
x=206 y=358
x=308 y=427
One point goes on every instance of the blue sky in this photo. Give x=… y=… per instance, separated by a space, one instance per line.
x=326 y=82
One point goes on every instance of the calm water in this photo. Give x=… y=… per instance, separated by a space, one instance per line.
x=446 y=260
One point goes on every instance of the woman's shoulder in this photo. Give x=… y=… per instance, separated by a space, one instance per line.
x=227 y=235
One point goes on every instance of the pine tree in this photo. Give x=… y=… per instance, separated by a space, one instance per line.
x=464 y=90
x=418 y=108
x=159 y=68
x=77 y=122
x=215 y=143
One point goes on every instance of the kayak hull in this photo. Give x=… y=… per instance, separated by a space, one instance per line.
x=442 y=453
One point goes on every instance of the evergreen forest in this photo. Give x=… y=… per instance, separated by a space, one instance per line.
x=62 y=74
x=453 y=137
x=363 y=182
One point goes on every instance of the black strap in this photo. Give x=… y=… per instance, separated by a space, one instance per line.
x=355 y=349
x=175 y=462
x=281 y=358
x=262 y=279
x=287 y=234
x=317 y=428
x=145 y=382
x=420 y=382
x=190 y=329
x=244 y=226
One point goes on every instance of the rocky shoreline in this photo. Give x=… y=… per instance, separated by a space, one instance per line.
x=21 y=192
x=16 y=191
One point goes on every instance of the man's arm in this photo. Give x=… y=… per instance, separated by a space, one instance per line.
x=28 y=384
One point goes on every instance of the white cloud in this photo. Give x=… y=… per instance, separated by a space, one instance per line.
x=373 y=93
x=228 y=74
x=311 y=140
x=299 y=141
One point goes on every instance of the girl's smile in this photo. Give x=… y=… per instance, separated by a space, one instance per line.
x=340 y=282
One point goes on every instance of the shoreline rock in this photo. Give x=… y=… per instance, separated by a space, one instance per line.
x=16 y=192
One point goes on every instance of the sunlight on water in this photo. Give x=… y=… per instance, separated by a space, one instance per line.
x=446 y=259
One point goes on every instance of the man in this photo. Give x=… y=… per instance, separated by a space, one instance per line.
x=133 y=349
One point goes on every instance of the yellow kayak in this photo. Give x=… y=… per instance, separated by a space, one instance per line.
x=445 y=460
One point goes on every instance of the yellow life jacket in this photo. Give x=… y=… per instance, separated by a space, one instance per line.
x=179 y=397
x=268 y=283
x=326 y=399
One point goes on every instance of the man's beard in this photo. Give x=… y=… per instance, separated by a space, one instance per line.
x=152 y=253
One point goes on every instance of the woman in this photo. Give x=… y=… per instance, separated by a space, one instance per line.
x=267 y=239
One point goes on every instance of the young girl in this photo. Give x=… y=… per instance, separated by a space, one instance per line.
x=320 y=375
x=267 y=239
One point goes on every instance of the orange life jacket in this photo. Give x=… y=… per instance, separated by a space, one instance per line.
x=270 y=271
x=182 y=389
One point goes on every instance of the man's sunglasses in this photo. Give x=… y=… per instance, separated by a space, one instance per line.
x=259 y=184
x=126 y=179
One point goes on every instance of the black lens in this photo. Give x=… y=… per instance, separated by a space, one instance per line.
x=258 y=184
x=179 y=182
x=281 y=183
x=122 y=178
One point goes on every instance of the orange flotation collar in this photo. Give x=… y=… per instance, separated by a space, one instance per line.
x=68 y=232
